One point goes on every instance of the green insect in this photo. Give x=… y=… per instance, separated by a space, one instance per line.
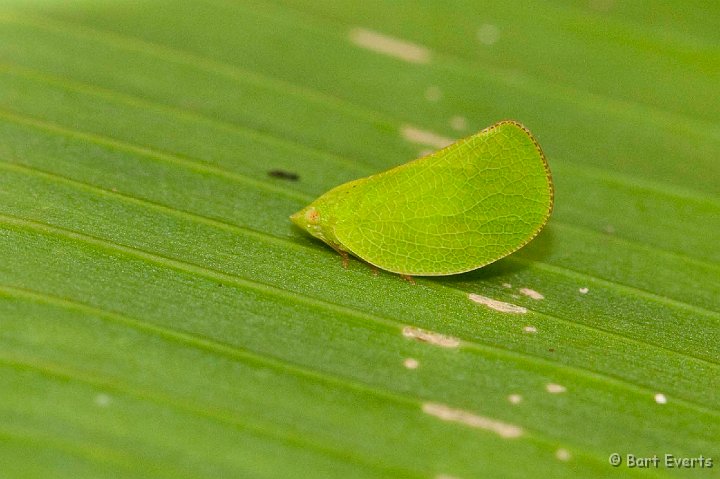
x=452 y=211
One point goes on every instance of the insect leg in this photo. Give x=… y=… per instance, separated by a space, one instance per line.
x=342 y=253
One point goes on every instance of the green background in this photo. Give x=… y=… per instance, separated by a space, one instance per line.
x=161 y=317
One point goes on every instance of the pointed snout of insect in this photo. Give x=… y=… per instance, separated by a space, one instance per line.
x=300 y=218
x=306 y=218
x=297 y=217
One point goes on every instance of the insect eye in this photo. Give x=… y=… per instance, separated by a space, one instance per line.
x=312 y=215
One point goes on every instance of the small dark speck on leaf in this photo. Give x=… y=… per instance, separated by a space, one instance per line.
x=284 y=175
x=552 y=350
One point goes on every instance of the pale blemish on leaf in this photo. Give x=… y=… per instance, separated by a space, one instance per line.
x=430 y=337
x=563 y=454
x=497 y=305
x=424 y=137
x=391 y=46
x=426 y=152
x=467 y=418
x=507 y=285
x=584 y=290
x=411 y=363
x=530 y=329
x=488 y=34
x=515 y=398
x=433 y=94
x=660 y=398
x=532 y=293
x=102 y=400
x=553 y=388
x=458 y=123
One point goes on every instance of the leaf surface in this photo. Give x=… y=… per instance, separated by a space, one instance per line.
x=161 y=317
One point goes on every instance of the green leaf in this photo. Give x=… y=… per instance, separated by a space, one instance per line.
x=161 y=317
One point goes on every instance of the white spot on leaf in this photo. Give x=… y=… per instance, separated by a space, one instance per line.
x=458 y=123
x=584 y=290
x=411 y=363
x=660 y=398
x=530 y=329
x=563 y=454
x=387 y=45
x=515 y=399
x=497 y=305
x=488 y=34
x=467 y=418
x=507 y=285
x=532 y=293
x=424 y=137
x=430 y=337
x=555 y=388
x=102 y=400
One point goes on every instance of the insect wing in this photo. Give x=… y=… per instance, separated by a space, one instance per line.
x=456 y=210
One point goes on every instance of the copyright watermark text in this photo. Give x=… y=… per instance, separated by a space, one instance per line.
x=664 y=461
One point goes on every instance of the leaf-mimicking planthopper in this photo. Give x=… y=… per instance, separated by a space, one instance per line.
x=453 y=211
